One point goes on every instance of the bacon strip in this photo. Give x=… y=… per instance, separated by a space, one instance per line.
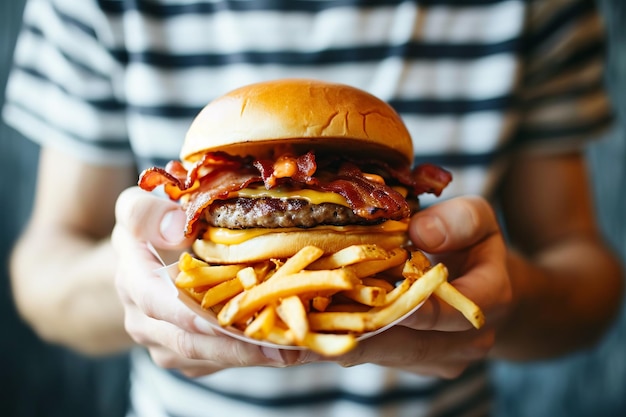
x=304 y=167
x=424 y=178
x=370 y=200
x=429 y=178
x=216 y=186
x=218 y=174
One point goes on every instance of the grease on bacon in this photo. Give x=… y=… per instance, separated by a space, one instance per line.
x=217 y=174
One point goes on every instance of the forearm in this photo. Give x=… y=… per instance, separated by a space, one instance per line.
x=63 y=285
x=565 y=297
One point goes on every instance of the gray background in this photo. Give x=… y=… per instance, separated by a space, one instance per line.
x=43 y=380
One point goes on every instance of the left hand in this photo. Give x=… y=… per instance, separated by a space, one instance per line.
x=464 y=235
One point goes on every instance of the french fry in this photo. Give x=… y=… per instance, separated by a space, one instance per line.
x=221 y=292
x=299 y=261
x=205 y=276
x=262 y=324
x=263 y=270
x=195 y=294
x=419 y=261
x=381 y=316
x=321 y=303
x=340 y=321
x=280 y=336
x=291 y=311
x=416 y=266
x=186 y=262
x=393 y=295
x=369 y=268
x=330 y=344
x=370 y=296
x=248 y=277
x=249 y=301
x=448 y=293
x=350 y=255
x=419 y=291
x=378 y=282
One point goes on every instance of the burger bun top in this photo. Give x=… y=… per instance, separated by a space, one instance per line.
x=304 y=114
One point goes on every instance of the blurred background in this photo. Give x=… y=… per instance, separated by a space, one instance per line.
x=39 y=380
x=591 y=383
x=44 y=380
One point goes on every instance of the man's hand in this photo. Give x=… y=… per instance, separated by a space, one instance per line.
x=154 y=317
x=437 y=340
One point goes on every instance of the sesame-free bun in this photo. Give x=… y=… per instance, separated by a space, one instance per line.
x=302 y=113
x=286 y=244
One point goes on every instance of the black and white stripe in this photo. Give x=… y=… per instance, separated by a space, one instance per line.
x=119 y=81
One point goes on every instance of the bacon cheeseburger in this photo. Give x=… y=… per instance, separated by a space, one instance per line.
x=272 y=167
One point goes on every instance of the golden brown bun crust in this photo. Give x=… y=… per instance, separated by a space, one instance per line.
x=302 y=112
x=283 y=245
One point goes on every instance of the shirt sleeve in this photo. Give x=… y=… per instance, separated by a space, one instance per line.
x=61 y=90
x=562 y=95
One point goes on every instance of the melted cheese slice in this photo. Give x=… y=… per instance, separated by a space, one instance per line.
x=225 y=236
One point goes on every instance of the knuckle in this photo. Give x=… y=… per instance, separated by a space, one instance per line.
x=146 y=305
x=240 y=355
x=479 y=214
x=185 y=345
x=472 y=212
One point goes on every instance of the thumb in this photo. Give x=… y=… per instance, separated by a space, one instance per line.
x=151 y=219
x=454 y=224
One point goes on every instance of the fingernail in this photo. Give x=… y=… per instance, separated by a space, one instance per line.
x=431 y=231
x=173 y=226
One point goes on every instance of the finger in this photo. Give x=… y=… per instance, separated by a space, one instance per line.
x=130 y=250
x=152 y=219
x=217 y=350
x=190 y=349
x=439 y=352
x=453 y=224
x=139 y=284
x=191 y=368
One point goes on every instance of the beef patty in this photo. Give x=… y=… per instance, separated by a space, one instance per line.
x=242 y=213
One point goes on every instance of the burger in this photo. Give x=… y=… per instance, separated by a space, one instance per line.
x=272 y=167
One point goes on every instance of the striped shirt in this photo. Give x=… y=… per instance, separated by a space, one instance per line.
x=118 y=82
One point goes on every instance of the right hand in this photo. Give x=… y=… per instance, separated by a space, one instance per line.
x=154 y=317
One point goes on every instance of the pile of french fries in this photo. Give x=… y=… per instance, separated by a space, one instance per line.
x=323 y=303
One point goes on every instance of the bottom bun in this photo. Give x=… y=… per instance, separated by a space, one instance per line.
x=286 y=244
